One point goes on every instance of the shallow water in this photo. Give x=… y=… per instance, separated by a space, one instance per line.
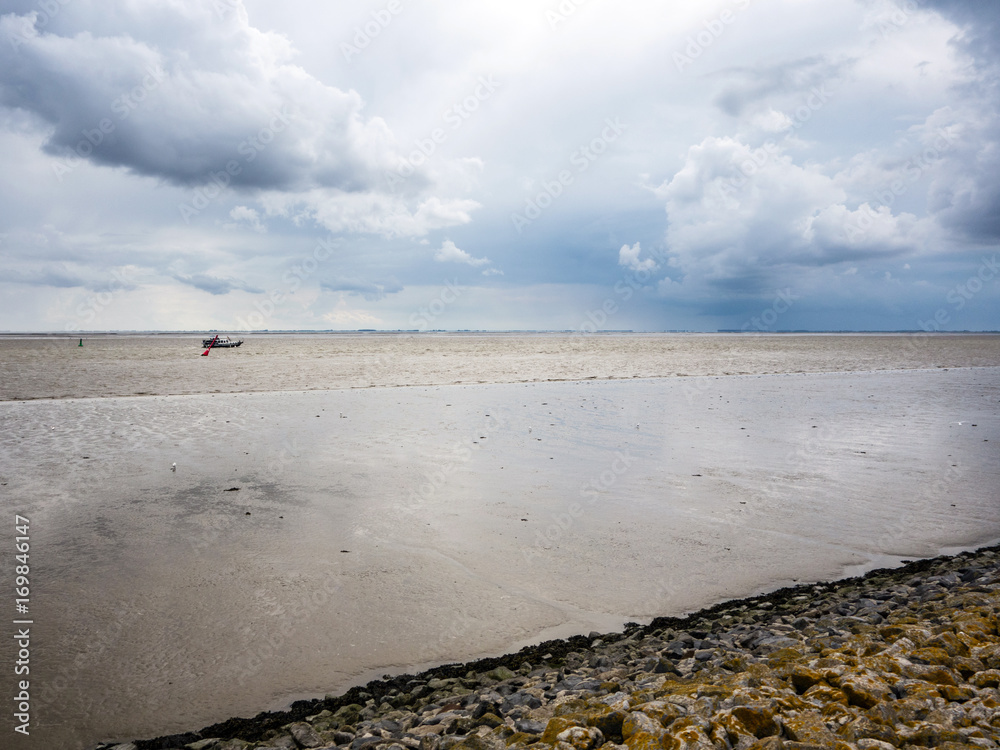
x=439 y=523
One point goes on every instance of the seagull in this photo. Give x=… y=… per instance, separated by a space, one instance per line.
x=529 y=430
x=637 y=427
x=173 y=467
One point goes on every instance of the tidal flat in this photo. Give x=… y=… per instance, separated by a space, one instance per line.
x=202 y=555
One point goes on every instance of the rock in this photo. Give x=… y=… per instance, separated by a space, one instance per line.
x=582 y=738
x=865 y=690
x=803 y=677
x=987 y=678
x=556 y=725
x=929 y=735
x=285 y=742
x=206 y=744
x=687 y=735
x=488 y=720
x=967 y=665
x=645 y=741
x=477 y=742
x=349 y=714
x=863 y=729
x=637 y=721
x=871 y=744
x=530 y=726
x=758 y=721
x=305 y=735
x=500 y=674
x=823 y=694
x=808 y=728
x=936 y=674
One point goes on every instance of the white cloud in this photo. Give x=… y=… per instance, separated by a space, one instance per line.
x=450 y=253
x=739 y=216
x=244 y=216
x=629 y=258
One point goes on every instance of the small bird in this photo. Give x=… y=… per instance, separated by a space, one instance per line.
x=637 y=427
x=173 y=467
x=529 y=430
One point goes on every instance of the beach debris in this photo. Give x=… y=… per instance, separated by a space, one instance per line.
x=232 y=489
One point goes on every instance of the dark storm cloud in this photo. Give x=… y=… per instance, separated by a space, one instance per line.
x=86 y=278
x=980 y=24
x=371 y=291
x=747 y=86
x=216 y=285
x=179 y=92
x=966 y=197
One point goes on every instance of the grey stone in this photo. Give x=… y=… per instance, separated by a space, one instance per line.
x=305 y=735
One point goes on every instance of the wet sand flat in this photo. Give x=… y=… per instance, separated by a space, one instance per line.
x=126 y=365
x=295 y=551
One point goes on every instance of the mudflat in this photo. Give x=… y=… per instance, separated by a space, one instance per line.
x=207 y=555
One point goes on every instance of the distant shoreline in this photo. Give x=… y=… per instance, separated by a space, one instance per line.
x=475 y=332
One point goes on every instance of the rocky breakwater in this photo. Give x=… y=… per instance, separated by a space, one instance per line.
x=902 y=658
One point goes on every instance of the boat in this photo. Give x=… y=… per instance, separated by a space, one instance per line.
x=221 y=342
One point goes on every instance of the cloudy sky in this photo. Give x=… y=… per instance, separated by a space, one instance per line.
x=499 y=164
